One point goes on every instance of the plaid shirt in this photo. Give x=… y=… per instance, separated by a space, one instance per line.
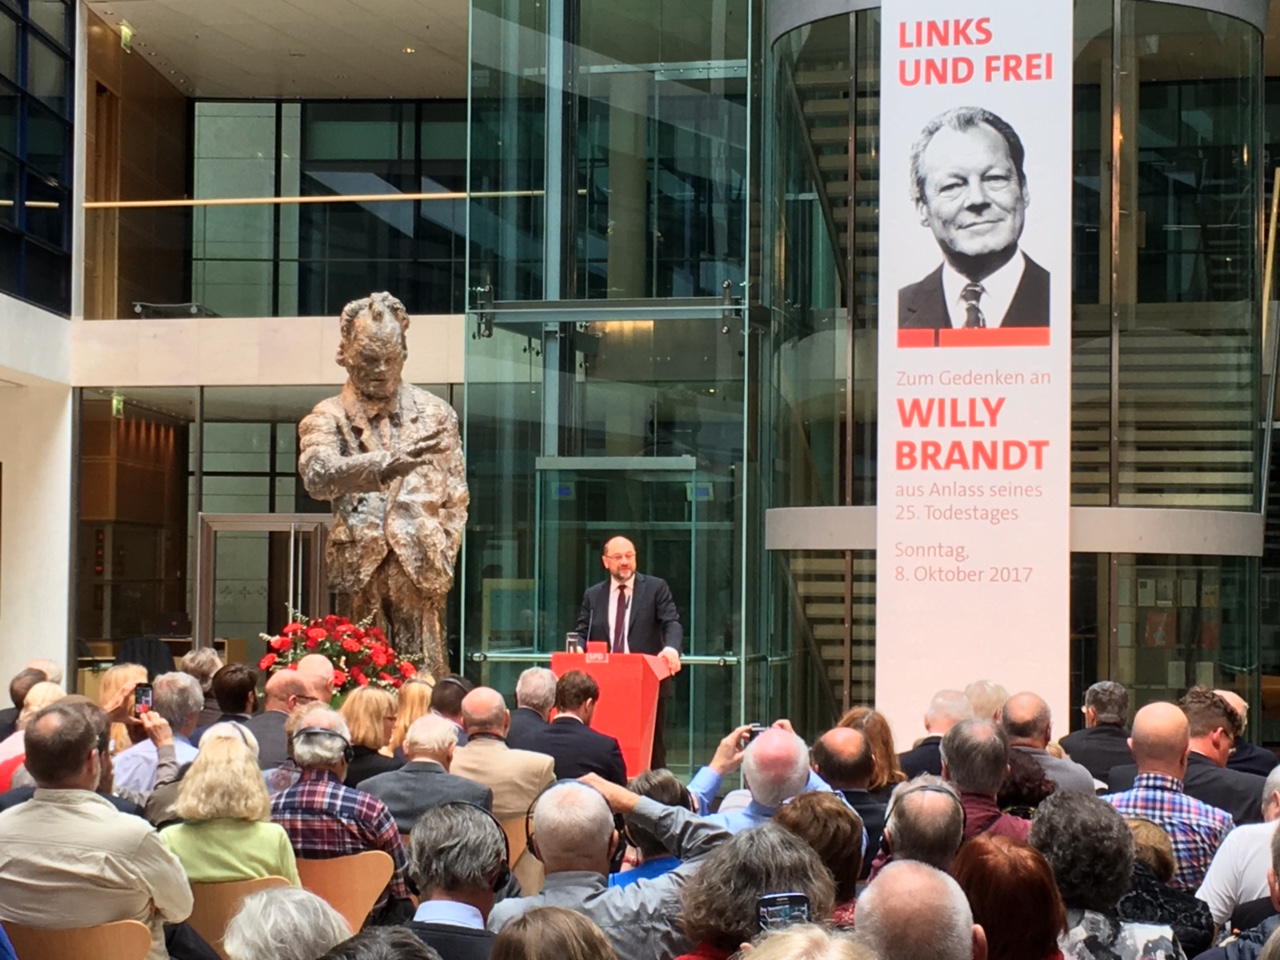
x=325 y=819
x=1195 y=828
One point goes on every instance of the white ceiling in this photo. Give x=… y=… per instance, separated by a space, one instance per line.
x=314 y=49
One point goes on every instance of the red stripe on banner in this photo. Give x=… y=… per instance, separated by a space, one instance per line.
x=915 y=338
x=997 y=337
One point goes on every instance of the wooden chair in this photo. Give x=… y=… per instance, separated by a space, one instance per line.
x=216 y=903
x=122 y=940
x=351 y=885
x=524 y=864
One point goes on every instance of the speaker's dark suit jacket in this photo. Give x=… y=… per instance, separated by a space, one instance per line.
x=653 y=622
x=526 y=724
x=420 y=785
x=923 y=305
x=577 y=750
x=923 y=758
x=1099 y=749
x=1238 y=793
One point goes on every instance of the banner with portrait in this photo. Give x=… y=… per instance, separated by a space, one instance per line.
x=973 y=509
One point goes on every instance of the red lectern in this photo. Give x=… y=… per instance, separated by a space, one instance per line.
x=628 y=697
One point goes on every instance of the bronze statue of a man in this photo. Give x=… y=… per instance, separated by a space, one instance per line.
x=389 y=457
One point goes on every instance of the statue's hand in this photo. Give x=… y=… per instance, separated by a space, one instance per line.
x=400 y=465
x=431 y=444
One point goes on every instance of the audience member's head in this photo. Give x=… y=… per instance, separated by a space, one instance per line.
x=382 y=943
x=323 y=742
x=38 y=697
x=1238 y=704
x=202 y=664
x=231 y=730
x=114 y=679
x=1025 y=785
x=447 y=696
x=578 y=693
x=665 y=787
x=536 y=689
x=235 y=687
x=842 y=757
x=573 y=829
x=1273 y=874
x=1013 y=896
x=719 y=901
x=875 y=727
x=431 y=738
x=912 y=911
x=65 y=745
x=975 y=756
x=414 y=702
x=1161 y=740
x=988 y=699
x=1271 y=796
x=1026 y=720
x=924 y=821
x=834 y=830
x=51 y=669
x=1106 y=704
x=1213 y=724
x=1153 y=847
x=809 y=942
x=370 y=713
x=946 y=709
x=552 y=933
x=456 y=852
x=320 y=668
x=485 y=711
x=1088 y=846
x=285 y=923
x=775 y=766
x=224 y=782
x=21 y=684
x=178 y=698
x=286 y=690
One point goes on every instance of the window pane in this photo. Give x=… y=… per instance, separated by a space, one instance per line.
x=8 y=117
x=51 y=16
x=48 y=278
x=47 y=74
x=48 y=136
x=8 y=190
x=8 y=47
x=46 y=207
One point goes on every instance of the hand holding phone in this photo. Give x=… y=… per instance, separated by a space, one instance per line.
x=143 y=699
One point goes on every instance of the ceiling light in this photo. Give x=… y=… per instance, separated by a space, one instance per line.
x=408 y=50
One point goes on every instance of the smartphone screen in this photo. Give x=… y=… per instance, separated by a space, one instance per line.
x=777 y=910
x=142 y=699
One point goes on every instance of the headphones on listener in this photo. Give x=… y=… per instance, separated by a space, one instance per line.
x=531 y=842
x=348 y=754
x=503 y=876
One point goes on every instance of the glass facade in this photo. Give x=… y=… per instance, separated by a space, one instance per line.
x=36 y=114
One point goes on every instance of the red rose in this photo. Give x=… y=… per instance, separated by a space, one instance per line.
x=351 y=646
x=407 y=669
x=380 y=659
x=339 y=679
x=266 y=662
x=385 y=676
x=280 y=643
x=397 y=683
x=294 y=627
x=316 y=633
x=362 y=680
x=377 y=634
x=292 y=666
x=311 y=643
x=330 y=622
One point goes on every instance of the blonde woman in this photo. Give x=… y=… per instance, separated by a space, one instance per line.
x=370 y=712
x=415 y=702
x=227 y=833
x=115 y=679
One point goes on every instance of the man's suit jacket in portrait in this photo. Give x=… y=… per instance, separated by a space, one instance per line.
x=526 y=725
x=1236 y=792
x=420 y=785
x=1098 y=749
x=578 y=750
x=653 y=622
x=923 y=305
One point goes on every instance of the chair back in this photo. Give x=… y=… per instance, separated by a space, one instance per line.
x=216 y=903
x=526 y=867
x=122 y=940
x=351 y=885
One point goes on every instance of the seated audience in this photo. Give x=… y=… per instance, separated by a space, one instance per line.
x=912 y=911
x=809 y=942
x=1237 y=875
x=655 y=859
x=285 y=691
x=457 y=859
x=1160 y=744
x=446 y=701
x=946 y=709
x=203 y=664
x=370 y=713
x=226 y=831
x=283 y=924
x=121 y=676
x=1245 y=756
x=19 y=686
x=1150 y=899
x=836 y=834
x=987 y=698
x=425 y=781
x=68 y=858
x=1028 y=724
x=573 y=834
x=719 y=909
x=842 y=757
x=569 y=740
x=535 y=696
x=924 y=822
x=13 y=749
x=1104 y=741
x=1091 y=852
x=235 y=690
x=975 y=758
x=1250 y=941
x=1025 y=786
x=178 y=698
x=324 y=818
x=1013 y=896
x=382 y=943
x=552 y=933
x=875 y=727
x=413 y=701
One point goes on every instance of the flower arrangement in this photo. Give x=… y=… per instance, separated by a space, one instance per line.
x=360 y=653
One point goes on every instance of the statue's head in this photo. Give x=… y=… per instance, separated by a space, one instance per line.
x=373 y=347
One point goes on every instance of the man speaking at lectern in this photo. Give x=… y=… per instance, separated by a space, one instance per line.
x=634 y=613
